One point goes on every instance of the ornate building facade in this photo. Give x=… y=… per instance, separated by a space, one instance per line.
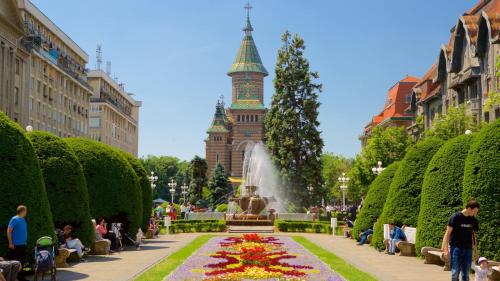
x=242 y=122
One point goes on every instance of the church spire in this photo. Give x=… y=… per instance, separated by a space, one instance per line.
x=220 y=121
x=248 y=58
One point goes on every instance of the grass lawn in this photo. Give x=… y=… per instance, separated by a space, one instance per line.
x=348 y=271
x=163 y=268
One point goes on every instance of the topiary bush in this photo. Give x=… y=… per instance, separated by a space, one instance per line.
x=375 y=199
x=441 y=191
x=403 y=200
x=145 y=184
x=65 y=184
x=21 y=182
x=114 y=191
x=482 y=182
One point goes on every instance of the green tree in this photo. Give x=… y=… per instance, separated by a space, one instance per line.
x=403 y=200
x=292 y=122
x=385 y=144
x=166 y=168
x=375 y=200
x=21 y=183
x=198 y=172
x=219 y=186
x=441 y=191
x=114 y=191
x=65 y=184
x=482 y=182
x=453 y=124
x=332 y=168
x=145 y=185
x=494 y=96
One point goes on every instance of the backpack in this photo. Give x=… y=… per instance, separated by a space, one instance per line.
x=43 y=261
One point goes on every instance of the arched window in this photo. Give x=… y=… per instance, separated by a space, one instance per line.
x=217 y=157
x=256 y=118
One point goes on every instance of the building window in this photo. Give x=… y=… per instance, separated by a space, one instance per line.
x=18 y=67
x=217 y=157
x=16 y=95
x=256 y=118
x=94 y=122
x=238 y=118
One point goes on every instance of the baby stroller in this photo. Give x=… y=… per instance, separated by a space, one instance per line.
x=45 y=258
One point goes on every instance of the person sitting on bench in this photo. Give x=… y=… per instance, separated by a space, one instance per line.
x=9 y=270
x=102 y=229
x=363 y=236
x=396 y=234
x=67 y=240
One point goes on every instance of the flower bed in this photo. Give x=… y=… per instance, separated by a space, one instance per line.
x=253 y=257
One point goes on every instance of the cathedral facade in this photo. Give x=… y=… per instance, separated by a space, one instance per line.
x=242 y=122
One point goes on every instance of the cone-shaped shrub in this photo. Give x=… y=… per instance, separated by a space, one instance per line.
x=442 y=191
x=113 y=186
x=21 y=183
x=65 y=184
x=375 y=199
x=482 y=181
x=146 y=192
x=403 y=200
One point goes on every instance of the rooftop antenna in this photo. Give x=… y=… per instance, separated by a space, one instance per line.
x=108 y=68
x=98 y=54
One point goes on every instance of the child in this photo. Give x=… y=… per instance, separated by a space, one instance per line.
x=481 y=269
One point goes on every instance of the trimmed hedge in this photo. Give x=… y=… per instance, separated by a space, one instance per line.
x=441 y=191
x=482 y=181
x=21 y=182
x=213 y=226
x=375 y=199
x=65 y=184
x=114 y=191
x=145 y=184
x=221 y=208
x=403 y=200
x=299 y=226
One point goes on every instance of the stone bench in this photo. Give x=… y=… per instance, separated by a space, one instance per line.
x=100 y=247
x=62 y=257
x=406 y=248
x=435 y=256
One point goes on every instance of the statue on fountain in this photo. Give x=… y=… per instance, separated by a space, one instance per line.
x=252 y=206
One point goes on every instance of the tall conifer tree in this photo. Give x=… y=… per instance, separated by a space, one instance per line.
x=219 y=186
x=292 y=123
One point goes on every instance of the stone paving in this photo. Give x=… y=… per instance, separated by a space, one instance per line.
x=129 y=264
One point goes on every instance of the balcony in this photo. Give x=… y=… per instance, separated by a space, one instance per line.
x=473 y=106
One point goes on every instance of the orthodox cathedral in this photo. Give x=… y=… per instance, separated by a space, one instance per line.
x=242 y=122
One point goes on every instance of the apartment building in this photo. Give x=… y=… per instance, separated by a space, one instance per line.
x=114 y=114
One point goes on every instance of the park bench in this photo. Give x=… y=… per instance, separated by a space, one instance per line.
x=435 y=256
x=406 y=248
x=63 y=255
x=100 y=247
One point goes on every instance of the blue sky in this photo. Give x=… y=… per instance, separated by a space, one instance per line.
x=174 y=56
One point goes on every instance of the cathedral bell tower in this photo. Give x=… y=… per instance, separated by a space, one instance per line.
x=246 y=113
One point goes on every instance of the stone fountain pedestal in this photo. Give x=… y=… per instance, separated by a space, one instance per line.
x=252 y=206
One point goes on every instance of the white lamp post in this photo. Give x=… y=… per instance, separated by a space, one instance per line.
x=153 y=179
x=378 y=170
x=184 y=189
x=172 y=184
x=310 y=188
x=343 y=187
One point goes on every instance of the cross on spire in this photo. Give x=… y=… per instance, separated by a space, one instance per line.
x=221 y=100
x=248 y=8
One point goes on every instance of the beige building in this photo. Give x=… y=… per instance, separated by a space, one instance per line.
x=13 y=62
x=58 y=95
x=114 y=114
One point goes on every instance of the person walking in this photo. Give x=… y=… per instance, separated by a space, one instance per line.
x=17 y=236
x=459 y=240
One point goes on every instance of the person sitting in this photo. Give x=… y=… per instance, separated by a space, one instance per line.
x=67 y=240
x=154 y=227
x=396 y=235
x=348 y=227
x=9 y=270
x=363 y=236
x=102 y=229
x=98 y=236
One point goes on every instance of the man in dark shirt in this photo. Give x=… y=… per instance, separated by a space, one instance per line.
x=459 y=240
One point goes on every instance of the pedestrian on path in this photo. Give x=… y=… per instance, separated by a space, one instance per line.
x=459 y=240
x=17 y=236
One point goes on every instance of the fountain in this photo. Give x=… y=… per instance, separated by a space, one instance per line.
x=257 y=202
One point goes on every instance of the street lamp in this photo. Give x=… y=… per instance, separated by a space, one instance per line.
x=153 y=179
x=310 y=188
x=184 y=188
x=378 y=170
x=343 y=187
x=172 y=184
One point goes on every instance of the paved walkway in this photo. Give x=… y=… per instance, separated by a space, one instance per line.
x=381 y=266
x=128 y=264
